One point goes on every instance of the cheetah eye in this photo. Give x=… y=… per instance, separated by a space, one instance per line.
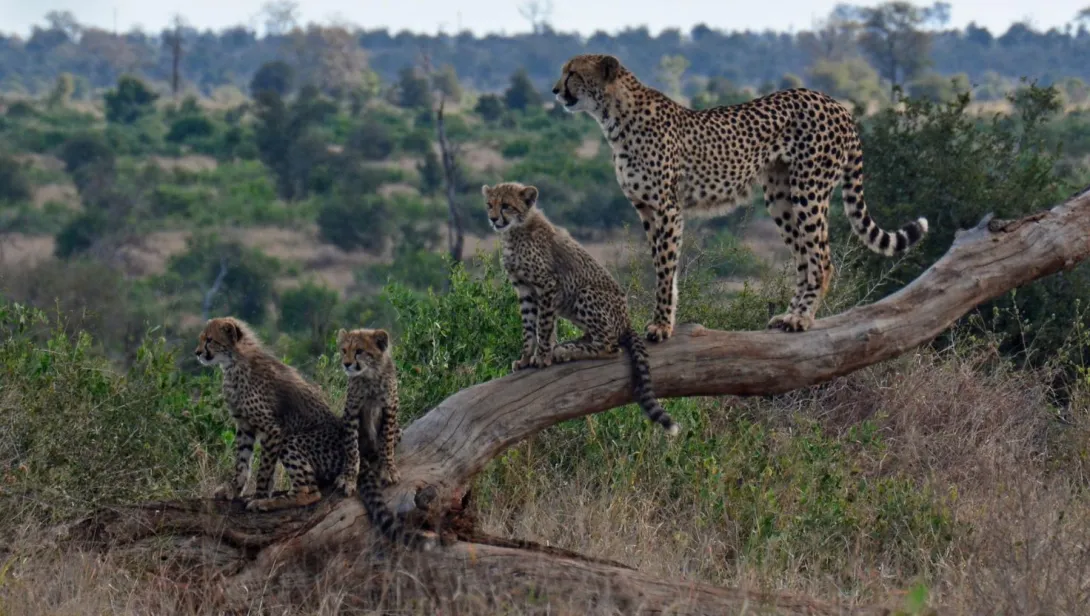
x=358 y=352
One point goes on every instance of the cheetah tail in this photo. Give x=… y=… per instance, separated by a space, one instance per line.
x=641 y=381
x=878 y=240
x=382 y=518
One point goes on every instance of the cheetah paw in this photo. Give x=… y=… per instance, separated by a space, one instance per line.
x=542 y=361
x=659 y=332
x=791 y=322
x=522 y=364
x=345 y=486
x=389 y=476
x=261 y=504
x=226 y=492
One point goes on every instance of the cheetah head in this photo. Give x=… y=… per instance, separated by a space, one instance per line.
x=508 y=204
x=363 y=351
x=585 y=80
x=217 y=344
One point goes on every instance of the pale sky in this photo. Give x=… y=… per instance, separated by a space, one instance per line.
x=502 y=16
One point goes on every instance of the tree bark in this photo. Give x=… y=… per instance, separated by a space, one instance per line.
x=441 y=452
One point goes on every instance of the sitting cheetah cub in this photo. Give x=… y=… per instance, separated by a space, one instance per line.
x=271 y=401
x=370 y=408
x=554 y=274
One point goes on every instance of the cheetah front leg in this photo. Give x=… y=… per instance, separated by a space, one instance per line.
x=266 y=471
x=389 y=433
x=528 y=310
x=346 y=482
x=244 y=452
x=546 y=326
x=664 y=227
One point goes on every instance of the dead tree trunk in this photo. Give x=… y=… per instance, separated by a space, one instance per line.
x=456 y=236
x=441 y=452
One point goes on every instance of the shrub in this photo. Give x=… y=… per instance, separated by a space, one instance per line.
x=79 y=434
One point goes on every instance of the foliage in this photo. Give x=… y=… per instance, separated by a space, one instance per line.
x=245 y=275
x=939 y=161
x=521 y=94
x=276 y=76
x=81 y=434
x=353 y=222
x=14 y=183
x=131 y=100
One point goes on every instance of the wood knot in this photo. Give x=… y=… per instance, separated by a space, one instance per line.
x=425 y=497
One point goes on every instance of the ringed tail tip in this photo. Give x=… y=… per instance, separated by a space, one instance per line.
x=923 y=224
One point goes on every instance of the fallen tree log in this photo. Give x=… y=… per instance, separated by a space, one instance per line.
x=442 y=451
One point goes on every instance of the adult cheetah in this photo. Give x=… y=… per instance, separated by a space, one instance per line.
x=800 y=144
x=554 y=275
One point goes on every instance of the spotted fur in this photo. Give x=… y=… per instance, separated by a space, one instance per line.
x=554 y=276
x=370 y=408
x=271 y=402
x=799 y=144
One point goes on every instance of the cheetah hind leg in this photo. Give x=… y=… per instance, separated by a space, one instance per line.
x=304 y=485
x=587 y=347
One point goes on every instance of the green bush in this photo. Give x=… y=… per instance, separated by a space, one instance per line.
x=129 y=101
x=14 y=182
x=80 y=434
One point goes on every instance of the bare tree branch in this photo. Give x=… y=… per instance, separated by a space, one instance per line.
x=210 y=294
x=442 y=451
x=456 y=231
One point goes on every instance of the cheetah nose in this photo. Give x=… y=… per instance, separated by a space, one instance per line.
x=556 y=90
x=347 y=365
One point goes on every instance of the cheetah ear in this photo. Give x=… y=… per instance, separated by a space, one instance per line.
x=341 y=333
x=529 y=195
x=382 y=340
x=610 y=68
x=485 y=189
x=232 y=331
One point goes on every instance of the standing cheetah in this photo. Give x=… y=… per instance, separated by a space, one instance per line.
x=370 y=407
x=798 y=143
x=554 y=275
x=271 y=401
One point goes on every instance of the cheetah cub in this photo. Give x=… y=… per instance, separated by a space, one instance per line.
x=553 y=275
x=370 y=408
x=271 y=401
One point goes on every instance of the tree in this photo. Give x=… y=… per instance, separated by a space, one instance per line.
x=276 y=76
x=131 y=100
x=790 y=81
x=14 y=183
x=490 y=107
x=852 y=79
x=331 y=59
x=413 y=89
x=431 y=173
x=832 y=39
x=671 y=69
x=538 y=13
x=280 y=16
x=521 y=94
x=174 y=41
x=892 y=38
x=445 y=81
x=309 y=309
x=61 y=94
